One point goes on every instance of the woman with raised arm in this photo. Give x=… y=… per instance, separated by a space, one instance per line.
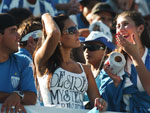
x=62 y=81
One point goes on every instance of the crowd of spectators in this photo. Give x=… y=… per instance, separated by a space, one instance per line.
x=55 y=53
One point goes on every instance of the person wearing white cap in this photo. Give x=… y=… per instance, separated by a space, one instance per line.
x=30 y=31
x=96 y=47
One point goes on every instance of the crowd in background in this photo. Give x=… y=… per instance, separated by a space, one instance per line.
x=56 y=53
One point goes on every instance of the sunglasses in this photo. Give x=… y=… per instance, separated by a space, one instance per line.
x=72 y=30
x=92 y=47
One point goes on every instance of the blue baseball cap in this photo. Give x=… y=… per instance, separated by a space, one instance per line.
x=97 y=36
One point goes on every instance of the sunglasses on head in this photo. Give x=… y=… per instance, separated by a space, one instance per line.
x=72 y=30
x=92 y=47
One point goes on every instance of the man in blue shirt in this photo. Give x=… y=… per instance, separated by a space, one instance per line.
x=17 y=86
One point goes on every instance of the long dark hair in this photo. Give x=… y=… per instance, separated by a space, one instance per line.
x=56 y=59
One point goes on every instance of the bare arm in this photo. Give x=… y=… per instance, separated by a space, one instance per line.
x=133 y=51
x=49 y=45
x=29 y=97
x=92 y=91
x=143 y=73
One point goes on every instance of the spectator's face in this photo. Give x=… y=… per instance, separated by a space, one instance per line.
x=126 y=27
x=70 y=36
x=105 y=17
x=10 y=39
x=93 y=57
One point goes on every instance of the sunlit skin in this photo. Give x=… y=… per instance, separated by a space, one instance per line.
x=127 y=28
x=9 y=41
x=128 y=32
x=66 y=42
x=130 y=42
x=70 y=41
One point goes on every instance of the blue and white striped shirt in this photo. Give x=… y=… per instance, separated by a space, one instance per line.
x=40 y=7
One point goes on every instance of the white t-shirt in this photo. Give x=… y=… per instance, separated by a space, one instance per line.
x=66 y=89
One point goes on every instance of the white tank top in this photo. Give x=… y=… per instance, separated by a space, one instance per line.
x=66 y=89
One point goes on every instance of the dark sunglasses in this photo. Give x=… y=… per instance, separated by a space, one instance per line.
x=92 y=47
x=72 y=30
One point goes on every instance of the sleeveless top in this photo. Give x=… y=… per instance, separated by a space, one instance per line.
x=66 y=89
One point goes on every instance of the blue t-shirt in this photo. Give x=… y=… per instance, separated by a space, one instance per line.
x=80 y=23
x=16 y=74
x=24 y=52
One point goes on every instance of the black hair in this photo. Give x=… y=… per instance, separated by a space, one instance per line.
x=6 y=20
x=20 y=14
x=86 y=3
